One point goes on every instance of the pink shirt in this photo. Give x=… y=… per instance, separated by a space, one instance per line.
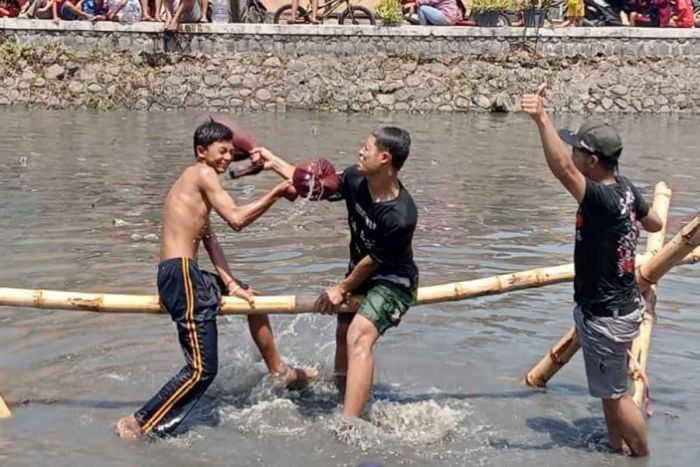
x=447 y=7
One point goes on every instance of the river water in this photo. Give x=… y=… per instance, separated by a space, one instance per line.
x=80 y=200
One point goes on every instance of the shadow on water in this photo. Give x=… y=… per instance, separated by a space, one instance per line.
x=587 y=434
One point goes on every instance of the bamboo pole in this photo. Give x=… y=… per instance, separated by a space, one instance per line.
x=557 y=357
x=684 y=243
x=4 y=409
x=290 y=304
x=681 y=244
x=640 y=345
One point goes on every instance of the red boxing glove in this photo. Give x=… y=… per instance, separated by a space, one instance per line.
x=315 y=179
x=243 y=141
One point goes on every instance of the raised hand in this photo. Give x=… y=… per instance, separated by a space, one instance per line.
x=533 y=104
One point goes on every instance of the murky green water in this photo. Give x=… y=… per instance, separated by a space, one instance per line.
x=80 y=200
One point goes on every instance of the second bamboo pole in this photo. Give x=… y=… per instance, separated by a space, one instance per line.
x=641 y=343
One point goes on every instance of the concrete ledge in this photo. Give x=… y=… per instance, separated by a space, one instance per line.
x=263 y=67
x=8 y=24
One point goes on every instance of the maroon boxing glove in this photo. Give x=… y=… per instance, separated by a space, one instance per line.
x=315 y=179
x=243 y=141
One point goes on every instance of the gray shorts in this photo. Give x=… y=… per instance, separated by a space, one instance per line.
x=604 y=341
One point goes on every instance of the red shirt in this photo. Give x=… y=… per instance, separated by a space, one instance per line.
x=684 y=14
x=12 y=7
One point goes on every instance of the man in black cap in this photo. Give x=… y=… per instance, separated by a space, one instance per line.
x=609 y=307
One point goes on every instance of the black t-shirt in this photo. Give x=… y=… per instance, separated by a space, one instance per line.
x=606 y=245
x=381 y=230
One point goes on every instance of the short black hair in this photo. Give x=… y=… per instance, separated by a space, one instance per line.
x=211 y=132
x=396 y=141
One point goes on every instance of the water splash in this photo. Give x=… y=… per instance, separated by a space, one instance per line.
x=398 y=424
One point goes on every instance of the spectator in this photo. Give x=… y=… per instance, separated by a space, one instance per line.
x=115 y=10
x=95 y=8
x=683 y=17
x=154 y=6
x=9 y=8
x=69 y=10
x=438 y=12
x=204 y=8
x=575 y=10
x=184 y=11
x=312 y=18
x=651 y=13
x=39 y=9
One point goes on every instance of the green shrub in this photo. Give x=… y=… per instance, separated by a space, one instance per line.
x=491 y=5
x=389 y=12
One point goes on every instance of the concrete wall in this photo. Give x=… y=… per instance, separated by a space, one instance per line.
x=343 y=68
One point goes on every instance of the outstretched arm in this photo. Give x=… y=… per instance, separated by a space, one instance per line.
x=236 y=216
x=273 y=162
x=555 y=151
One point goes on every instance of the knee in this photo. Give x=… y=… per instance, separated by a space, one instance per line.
x=358 y=345
x=209 y=371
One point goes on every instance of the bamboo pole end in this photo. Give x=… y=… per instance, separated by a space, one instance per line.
x=4 y=409
x=535 y=383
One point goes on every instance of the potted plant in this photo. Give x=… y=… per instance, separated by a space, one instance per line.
x=535 y=13
x=389 y=13
x=487 y=12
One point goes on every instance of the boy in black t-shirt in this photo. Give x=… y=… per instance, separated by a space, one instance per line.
x=609 y=308
x=382 y=218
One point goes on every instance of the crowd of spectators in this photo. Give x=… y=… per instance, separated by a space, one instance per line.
x=639 y=13
x=171 y=12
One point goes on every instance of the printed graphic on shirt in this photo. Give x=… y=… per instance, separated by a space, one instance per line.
x=606 y=244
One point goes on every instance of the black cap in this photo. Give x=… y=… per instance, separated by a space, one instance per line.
x=595 y=136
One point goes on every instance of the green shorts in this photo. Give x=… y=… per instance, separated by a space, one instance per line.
x=384 y=305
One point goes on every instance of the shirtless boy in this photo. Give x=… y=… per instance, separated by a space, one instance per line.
x=191 y=296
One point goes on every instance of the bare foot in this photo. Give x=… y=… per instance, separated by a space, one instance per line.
x=171 y=26
x=204 y=19
x=294 y=378
x=129 y=429
x=147 y=18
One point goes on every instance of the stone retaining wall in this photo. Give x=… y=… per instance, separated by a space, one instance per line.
x=358 y=69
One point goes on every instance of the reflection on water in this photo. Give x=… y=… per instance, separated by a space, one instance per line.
x=81 y=197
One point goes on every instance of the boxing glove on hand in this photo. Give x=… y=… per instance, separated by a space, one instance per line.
x=315 y=179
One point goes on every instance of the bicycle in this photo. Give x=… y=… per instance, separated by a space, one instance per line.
x=254 y=12
x=355 y=14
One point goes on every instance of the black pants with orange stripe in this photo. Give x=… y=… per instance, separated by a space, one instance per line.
x=192 y=297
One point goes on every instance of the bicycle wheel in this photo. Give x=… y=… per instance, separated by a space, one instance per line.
x=357 y=15
x=284 y=13
x=503 y=20
x=255 y=14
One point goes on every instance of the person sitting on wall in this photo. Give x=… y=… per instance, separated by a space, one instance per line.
x=70 y=10
x=151 y=6
x=38 y=9
x=439 y=12
x=9 y=8
x=683 y=15
x=97 y=8
x=650 y=14
x=182 y=11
